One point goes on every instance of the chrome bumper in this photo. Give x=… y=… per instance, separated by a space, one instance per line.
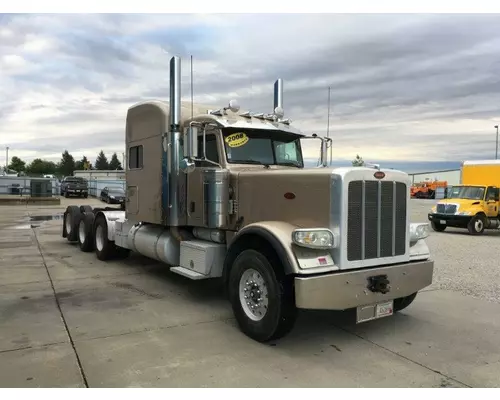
x=349 y=289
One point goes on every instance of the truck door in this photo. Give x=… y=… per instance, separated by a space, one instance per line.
x=492 y=201
x=195 y=199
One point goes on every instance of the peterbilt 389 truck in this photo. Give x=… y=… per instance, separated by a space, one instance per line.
x=221 y=193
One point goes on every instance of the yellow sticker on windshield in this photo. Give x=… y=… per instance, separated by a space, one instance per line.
x=236 y=139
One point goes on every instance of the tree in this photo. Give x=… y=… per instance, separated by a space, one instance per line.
x=83 y=164
x=115 y=163
x=358 y=161
x=17 y=164
x=41 y=167
x=101 y=162
x=67 y=164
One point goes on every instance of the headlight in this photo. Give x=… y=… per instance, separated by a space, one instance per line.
x=464 y=213
x=314 y=238
x=418 y=231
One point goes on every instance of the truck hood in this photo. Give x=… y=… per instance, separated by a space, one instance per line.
x=298 y=196
x=460 y=202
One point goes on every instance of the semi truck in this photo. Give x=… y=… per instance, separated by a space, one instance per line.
x=474 y=204
x=224 y=194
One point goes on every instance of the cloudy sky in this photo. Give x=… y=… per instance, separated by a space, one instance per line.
x=403 y=87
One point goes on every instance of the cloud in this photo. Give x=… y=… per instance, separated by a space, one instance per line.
x=403 y=87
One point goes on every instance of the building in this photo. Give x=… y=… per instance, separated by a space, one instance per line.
x=94 y=174
x=452 y=176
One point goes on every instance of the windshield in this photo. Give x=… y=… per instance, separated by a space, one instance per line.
x=251 y=146
x=76 y=180
x=466 y=192
x=116 y=191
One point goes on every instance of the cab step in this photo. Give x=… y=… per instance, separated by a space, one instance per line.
x=188 y=273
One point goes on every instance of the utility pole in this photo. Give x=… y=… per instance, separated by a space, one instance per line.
x=7 y=160
x=496 y=145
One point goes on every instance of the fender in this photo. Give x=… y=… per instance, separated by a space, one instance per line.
x=277 y=233
x=111 y=217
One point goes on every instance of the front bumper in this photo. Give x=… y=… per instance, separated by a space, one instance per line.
x=450 y=219
x=349 y=289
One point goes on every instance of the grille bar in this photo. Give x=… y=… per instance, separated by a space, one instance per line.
x=376 y=219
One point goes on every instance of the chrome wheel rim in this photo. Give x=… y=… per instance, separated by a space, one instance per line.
x=99 y=238
x=478 y=225
x=253 y=294
x=68 y=223
x=81 y=231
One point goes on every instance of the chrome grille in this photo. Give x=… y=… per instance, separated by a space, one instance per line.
x=376 y=219
x=446 y=208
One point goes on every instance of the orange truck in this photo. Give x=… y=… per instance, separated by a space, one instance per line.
x=427 y=189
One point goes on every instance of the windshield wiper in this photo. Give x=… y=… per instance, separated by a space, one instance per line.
x=289 y=164
x=246 y=162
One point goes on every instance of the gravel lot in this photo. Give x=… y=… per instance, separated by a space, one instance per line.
x=464 y=263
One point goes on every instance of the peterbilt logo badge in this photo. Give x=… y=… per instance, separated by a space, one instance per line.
x=379 y=175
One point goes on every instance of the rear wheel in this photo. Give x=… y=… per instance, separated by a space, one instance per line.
x=104 y=248
x=85 y=237
x=438 y=227
x=71 y=221
x=477 y=224
x=261 y=296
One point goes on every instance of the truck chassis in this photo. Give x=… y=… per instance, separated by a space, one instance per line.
x=107 y=232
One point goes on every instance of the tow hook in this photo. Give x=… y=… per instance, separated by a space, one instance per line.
x=379 y=284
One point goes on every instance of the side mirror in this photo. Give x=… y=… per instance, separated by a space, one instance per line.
x=187 y=165
x=191 y=142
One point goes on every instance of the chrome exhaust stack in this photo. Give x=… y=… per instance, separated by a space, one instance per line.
x=174 y=139
x=278 y=99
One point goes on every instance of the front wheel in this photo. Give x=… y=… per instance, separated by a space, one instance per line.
x=476 y=225
x=262 y=298
x=403 y=302
x=438 y=227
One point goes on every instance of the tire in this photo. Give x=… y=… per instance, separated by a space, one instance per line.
x=438 y=227
x=105 y=249
x=85 y=209
x=403 y=302
x=277 y=317
x=476 y=225
x=66 y=194
x=70 y=221
x=85 y=196
x=85 y=232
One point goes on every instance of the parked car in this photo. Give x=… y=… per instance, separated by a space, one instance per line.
x=113 y=194
x=74 y=186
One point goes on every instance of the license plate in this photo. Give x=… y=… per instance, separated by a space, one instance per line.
x=442 y=221
x=374 y=311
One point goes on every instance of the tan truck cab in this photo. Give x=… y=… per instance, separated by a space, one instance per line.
x=224 y=194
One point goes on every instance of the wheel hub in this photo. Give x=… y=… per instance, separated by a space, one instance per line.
x=253 y=294
x=81 y=231
x=99 y=238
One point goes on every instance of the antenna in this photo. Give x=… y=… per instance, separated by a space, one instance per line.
x=192 y=112
x=328 y=126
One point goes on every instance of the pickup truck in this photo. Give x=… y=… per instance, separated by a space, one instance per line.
x=74 y=186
